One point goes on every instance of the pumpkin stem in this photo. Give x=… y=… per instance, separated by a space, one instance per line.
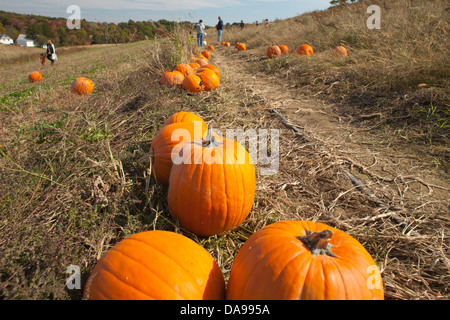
x=318 y=242
x=210 y=141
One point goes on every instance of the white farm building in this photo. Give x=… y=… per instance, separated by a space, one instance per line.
x=22 y=40
x=5 y=39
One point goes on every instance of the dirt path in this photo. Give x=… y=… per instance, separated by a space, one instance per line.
x=401 y=209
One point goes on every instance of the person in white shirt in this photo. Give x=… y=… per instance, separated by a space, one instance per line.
x=200 y=32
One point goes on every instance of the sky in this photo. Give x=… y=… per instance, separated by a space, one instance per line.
x=173 y=10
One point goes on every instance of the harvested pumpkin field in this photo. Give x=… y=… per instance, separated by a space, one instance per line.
x=76 y=175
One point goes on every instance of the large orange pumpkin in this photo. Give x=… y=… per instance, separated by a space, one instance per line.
x=183 y=116
x=156 y=265
x=201 y=61
x=212 y=187
x=168 y=142
x=35 y=76
x=82 y=86
x=206 y=54
x=273 y=51
x=192 y=83
x=194 y=65
x=184 y=68
x=171 y=78
x=305 y=49
x=303 y=260
x=210 y=79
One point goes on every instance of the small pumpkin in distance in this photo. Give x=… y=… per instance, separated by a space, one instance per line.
x=156 y=265
x=340 y=51
x=35 y=76
x=82 y=86
x=284 y=49
x=273 y=51
x=304 y=49
x=226 y=44
x=303 y=260
x=210 y=47
x=217 y=179
x=206 y=54
x=241 y=47
x=171 y=78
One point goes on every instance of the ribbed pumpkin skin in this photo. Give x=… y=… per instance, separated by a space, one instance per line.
x=171 y=78
x=208 y=197
x=305 y=49
x=211 y=47
x=185 y=69
x=163 y=147
x=273 y=51
x=210 y=80
x=273 y=264
x=156 y=265
x=35 y=76
x=183 y=116
x=201 y=61
x=192 y=83
x=284 y=49
x=82 y=86
x=212 y=67
x=206 y=54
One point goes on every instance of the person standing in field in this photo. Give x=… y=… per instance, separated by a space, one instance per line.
x=242 y=24
x=51 y=52
x=200 y=32
x=219 y=28
x=266 y=23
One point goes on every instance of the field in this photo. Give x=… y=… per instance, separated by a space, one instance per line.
x=75 y=170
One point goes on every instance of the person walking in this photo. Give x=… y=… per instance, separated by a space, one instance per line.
x=219 y=28
x=51 y=52
x=200 y=32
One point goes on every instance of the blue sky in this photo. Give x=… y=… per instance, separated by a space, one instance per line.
x=182 y=10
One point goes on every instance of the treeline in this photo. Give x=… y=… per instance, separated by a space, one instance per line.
x=41 y=28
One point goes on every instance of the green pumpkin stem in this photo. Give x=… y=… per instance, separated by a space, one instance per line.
x=318 y=242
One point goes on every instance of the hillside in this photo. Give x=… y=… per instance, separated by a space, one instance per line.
x=42 y=28
x=367 y=117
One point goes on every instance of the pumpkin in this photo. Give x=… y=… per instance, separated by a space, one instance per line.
x=340 y=51
x=305 y=49
x=212 y=67
x=171 y=78
x=211 y=47
x=226 y=44
x=192 y=83
x=210 y=79
x=284 y=49
x=236 y=45
x=183 y=116
x=184 y=68
x=168 y=141
x=303 y=260
x=194 y=65
x=156 y=265
x=206 y=54
x=273 y=51
x=35 y=76
x=241 y=47
x=82 y=86
x=212 y=189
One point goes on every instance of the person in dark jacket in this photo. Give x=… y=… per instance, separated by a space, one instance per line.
x=219 y=28
x=51 y=53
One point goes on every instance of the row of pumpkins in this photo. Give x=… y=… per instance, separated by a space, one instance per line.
x=212 y=191
x=81 y=86
x=304 y=49
x=197 y=76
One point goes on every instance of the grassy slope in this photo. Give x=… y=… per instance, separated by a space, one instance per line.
x=54 y=145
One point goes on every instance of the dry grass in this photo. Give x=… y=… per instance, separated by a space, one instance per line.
x=75 y=178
